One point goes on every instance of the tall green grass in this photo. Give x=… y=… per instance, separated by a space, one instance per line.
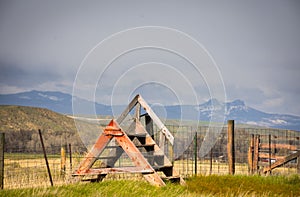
x=245 y=185
x=197 y=186
x=106 y=188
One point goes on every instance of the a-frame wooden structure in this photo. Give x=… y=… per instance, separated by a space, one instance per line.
x=137 y=142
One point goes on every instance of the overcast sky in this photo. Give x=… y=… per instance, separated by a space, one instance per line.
x=254 y=44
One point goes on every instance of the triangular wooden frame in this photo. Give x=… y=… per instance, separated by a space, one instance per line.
x=111 y=131
x=124 y=139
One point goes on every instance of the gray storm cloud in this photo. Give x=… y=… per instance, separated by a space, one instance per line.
x=255 y=44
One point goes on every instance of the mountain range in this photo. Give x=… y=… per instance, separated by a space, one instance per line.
x=210 y=110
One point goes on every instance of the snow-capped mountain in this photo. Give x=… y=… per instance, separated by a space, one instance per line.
x=212 y=110
x=243 y=114
x=56 y=101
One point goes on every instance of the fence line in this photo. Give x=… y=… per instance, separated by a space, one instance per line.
x=24 y=166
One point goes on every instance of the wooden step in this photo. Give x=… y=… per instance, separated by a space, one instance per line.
x=159 y=159
x=146 y=155
x=104 y=171
x=136 y=135
x=138 y=146
x=167 y=170
x=93 y=178
x=161 y=168
x=146 y=147
x=172 y=179
x=140 y=136
x=107 y=157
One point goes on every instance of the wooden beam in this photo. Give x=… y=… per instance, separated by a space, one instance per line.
x=104 y=171
x=266 y=156
x=279 y=146
x=128 y=109
x=156 y=120
x=149 y=125
x=96 y=150
x=282 y=161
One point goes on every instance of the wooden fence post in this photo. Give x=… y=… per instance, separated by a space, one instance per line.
x=210 y=161
x=63 y=158
x=250 y=154
x=270 y=152
x=196 y=153
x=70 y=154
x=256 y=153
x=45 y=156
x=298 y=165
x=2 y=141
x=230 y=147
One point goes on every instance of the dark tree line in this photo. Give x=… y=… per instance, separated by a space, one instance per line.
x=28 y=141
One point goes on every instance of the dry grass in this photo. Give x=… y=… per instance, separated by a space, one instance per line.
x=30 y=170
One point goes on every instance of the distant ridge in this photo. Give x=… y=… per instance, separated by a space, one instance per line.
x=55 y=101
x=237 y=109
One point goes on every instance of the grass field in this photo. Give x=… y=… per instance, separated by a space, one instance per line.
x=214 y=185
x=29 y=170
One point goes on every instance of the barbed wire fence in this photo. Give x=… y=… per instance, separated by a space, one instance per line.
x=24 y=162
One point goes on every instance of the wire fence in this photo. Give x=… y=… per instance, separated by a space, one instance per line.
x=216 y=160
x=25 y=166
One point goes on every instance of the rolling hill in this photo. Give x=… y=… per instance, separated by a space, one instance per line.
x=21 y=123
x=33 y=118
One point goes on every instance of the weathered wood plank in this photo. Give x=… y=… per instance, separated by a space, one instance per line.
x=282 y=161
x=279 y=146
x=266 y=156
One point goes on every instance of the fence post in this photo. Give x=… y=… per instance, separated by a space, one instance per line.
x=250 y=154
x=230 y=147
x=256 y=153
x=298 y=165
x=63 y=158
x=195 y=153
x=270 y=153
x=45 y=156
x=70 y=153
x=2 y=142
x=210 y=161
x=298 y=161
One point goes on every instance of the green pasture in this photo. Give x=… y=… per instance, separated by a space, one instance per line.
x=214 y=185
